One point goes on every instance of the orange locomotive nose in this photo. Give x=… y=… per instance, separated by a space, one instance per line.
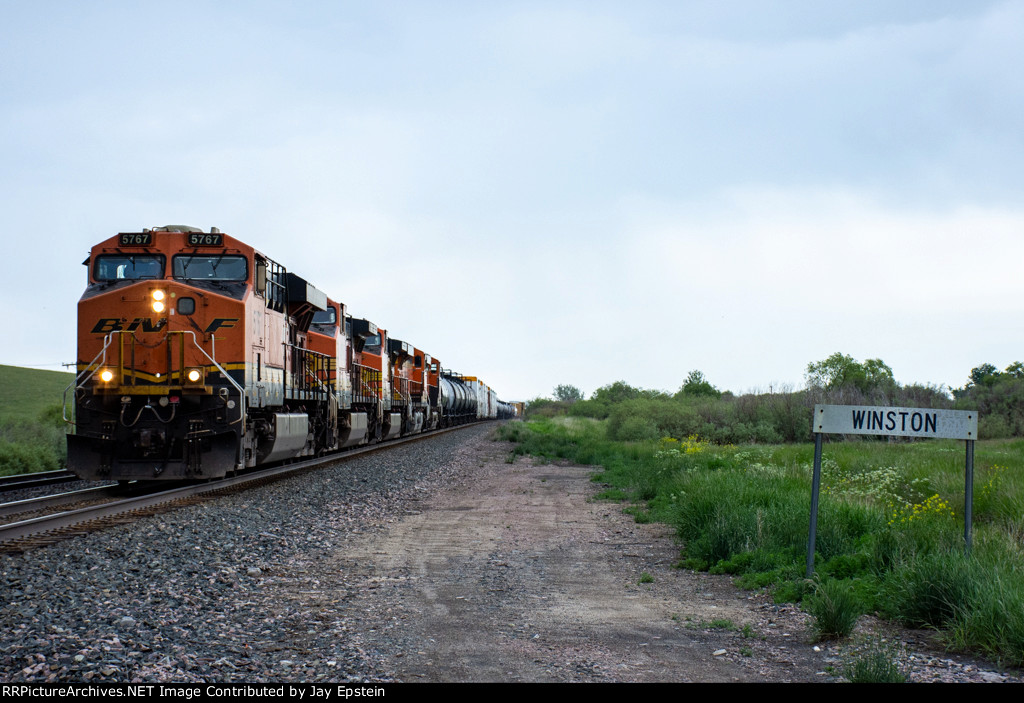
x=161 y=361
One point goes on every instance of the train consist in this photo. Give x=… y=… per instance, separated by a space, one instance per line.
x=199 y=356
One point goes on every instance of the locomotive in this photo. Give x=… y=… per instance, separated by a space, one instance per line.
x=199 y=356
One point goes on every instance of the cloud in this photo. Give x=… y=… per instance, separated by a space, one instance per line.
x=812 y=270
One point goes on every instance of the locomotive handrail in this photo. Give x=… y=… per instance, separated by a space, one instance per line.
x=79 y=383
x=309 y=355
x=92 y=367
x=400 y=391
x=241 y=396
x=363 y=380
x=309 y=365
x=225 y=374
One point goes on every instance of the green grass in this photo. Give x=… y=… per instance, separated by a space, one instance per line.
x=31 y=429
x=25 y=393
x=890 y=524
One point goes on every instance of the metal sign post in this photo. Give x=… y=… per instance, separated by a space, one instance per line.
x=815 y=487
x=892 y=422
x=968 y=494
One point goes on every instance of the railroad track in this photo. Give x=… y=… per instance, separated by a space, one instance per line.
x=56 y=500
x=111 y=509
x=35 y=480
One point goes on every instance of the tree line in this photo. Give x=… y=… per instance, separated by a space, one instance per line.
x=699 y=408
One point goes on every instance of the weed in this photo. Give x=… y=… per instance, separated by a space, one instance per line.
x=877 y=661
x=639 y=514
x=835 y=609
x=721 y=624
x=612 y=494
x=646 y=578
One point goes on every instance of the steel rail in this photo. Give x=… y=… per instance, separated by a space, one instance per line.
x=39 y=478
x=41 y=502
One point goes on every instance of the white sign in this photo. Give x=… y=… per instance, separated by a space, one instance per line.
x=896 y=422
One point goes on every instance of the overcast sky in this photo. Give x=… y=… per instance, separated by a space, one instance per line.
x=545 y=192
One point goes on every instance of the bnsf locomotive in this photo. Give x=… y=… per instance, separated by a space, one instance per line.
x=198 y=356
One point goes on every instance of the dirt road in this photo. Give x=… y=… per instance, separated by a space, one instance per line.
x=512 y=573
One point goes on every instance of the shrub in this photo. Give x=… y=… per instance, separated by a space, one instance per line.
x=634 y=429
x=28 y=446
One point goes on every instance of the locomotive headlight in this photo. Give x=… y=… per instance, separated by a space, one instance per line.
x=158 y=295
x=194 y=375
x=106 y=375
x=158 y=304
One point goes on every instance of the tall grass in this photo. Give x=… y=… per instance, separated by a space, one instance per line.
x=890 y=524
x=835 y=608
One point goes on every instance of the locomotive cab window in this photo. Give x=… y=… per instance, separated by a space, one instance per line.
x=221 y=267
x=372 y=344
x=130 y=267
x=325 y=320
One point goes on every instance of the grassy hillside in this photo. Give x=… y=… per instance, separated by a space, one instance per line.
x=31 y=429
x=25 y=393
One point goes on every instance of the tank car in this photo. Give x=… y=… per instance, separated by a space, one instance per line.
x=198 y=356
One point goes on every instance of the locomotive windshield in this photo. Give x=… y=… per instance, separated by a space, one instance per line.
x=324 y=321
x=324 y=317
x=211 y=268
x=115 y=267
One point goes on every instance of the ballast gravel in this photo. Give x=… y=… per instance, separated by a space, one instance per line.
x=193 y=595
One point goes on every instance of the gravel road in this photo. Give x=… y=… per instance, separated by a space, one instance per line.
x=436 y=561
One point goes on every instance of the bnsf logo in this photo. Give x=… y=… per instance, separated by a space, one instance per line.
x=114 y=324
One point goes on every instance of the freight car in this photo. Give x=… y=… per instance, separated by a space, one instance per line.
x=199 y=356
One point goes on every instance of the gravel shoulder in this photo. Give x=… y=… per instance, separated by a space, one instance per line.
x=437 y=562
